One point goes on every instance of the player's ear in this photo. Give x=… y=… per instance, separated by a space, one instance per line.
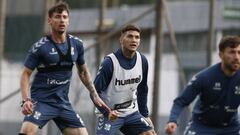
x=121 y=39
x=220 y=54
x=68 y=22
x=49 y=20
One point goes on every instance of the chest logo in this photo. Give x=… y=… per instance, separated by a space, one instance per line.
x=53 y=52
x=237 y=90
x=217 y=86
x=128 y=81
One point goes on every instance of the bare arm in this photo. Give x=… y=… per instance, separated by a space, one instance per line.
x=84 y=75
x=24 y=83
x=27 y=107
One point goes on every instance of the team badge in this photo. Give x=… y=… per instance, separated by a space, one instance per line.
x=53 y=51
x=107 y=127
x=191 y=132
x=37 y=115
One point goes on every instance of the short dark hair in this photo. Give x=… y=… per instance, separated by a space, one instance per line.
x=229 y=41
x=130 y=27
x=58 y=8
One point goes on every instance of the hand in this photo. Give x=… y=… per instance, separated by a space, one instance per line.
x=113 y=115
x=149 y=121
x=98 y=102
x=27 y=108
x=170 y=128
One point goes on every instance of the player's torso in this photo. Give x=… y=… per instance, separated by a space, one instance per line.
x=219 y=99
x=222 y=91
x=121 y=92
x=50 y=85
x=50 y=56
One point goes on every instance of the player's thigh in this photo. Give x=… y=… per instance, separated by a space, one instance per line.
x=75 y=131
x=29 y=128
x=195 y=128
x=149 y=132
x=107 y=127
x=41 y=115
x=135 y=124
x=68 y=118
x=232 y=130
x=231 y=133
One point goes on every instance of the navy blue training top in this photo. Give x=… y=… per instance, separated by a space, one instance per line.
x=218 y=98
x=105 y=73
x=53 y=87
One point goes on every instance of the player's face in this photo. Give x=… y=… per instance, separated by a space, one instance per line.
x=231 y=58
x=59 y=22
x=130 y=40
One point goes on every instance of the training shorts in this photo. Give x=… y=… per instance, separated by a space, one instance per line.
x=64 y=117
x=133 y=124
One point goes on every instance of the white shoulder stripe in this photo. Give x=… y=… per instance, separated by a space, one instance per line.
x=38 y=44
x=74 y=37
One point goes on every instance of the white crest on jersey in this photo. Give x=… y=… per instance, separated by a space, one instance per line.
x=53 y=52
x=237 y=90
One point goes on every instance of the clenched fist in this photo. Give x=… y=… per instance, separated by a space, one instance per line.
x=113 y=115
x=170 y=128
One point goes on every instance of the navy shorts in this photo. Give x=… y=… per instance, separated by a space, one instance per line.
x=64 y=118
x=197 y=128
x=133 y=124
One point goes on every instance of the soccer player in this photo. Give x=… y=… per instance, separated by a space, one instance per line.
x=54 y=56
x=218 y=90
x=121 y=82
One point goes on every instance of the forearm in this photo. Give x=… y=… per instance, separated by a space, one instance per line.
x=182 y=101
x=24 y=83
x=175 y=112
x=86 y=79
x=142 y=100
x=24 y=88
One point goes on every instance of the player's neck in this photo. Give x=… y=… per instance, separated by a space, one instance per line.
x=227 y=71
x=58 y=38
x=128 y=54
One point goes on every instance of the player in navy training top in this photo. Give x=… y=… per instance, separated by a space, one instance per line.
x=122 y=84
x=54 y=56
x=218 y=90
